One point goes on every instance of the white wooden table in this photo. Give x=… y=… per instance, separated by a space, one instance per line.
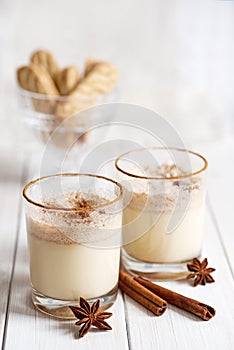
x=22 y=327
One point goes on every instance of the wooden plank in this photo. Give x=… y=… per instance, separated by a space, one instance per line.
x=177 y=329
x=10 y=175
x=28 y=328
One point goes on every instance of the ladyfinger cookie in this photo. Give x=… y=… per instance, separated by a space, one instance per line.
x=47 y=60
x=35 y=78
x=67 y=79
x=101 y=79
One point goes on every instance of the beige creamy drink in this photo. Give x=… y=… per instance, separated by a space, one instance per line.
x=163 y=222
x=70 y=253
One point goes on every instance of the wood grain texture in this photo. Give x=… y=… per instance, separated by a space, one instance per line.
x=10 y=175
x=177 y=329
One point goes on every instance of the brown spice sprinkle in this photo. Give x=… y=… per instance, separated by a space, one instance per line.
x=84 y=207
x=85 y=204
x=77 y=200
x=78 y=206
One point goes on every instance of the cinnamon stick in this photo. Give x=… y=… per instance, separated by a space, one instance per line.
x=197 y=308
x=141 y=294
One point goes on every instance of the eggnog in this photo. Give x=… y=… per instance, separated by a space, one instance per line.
x=156 y=244
x=76 y=253
x=163 y=221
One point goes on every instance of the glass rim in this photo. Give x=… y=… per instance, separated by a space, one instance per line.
x=45 y=97
x=164 y=177
x=40 y=205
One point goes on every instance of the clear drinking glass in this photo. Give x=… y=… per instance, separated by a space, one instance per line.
x=74 y=236
x=163 y=210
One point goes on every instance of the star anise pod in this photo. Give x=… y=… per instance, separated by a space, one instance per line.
x=200 y=272
x=90 y=316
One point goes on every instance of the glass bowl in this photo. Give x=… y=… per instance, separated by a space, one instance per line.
x=65 y=128
x=56 y=119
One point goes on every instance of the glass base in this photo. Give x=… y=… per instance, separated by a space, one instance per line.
x=60 y=308
x=154 y=271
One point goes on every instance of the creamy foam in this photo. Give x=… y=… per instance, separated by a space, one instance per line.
x=90 y=220
x=164 y=195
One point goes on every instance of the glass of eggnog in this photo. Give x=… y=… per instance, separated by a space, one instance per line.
x=74 y=237
x=164 y=201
